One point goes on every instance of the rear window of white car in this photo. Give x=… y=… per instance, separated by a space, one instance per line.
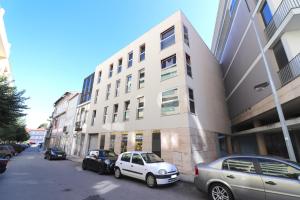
x=126 y=157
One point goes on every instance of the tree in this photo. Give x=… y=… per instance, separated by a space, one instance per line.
x=12 y=107
x=12 y=104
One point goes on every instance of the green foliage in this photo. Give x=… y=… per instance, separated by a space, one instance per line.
x=12 y=107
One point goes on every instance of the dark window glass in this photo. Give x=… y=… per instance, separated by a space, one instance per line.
x=280 y=55
x=137 y=159
x=266 y=13
x=167 y=38
x=278 y=169
x=232 y=6
x=239 y=165
x=168 y=62
x=126 y=157
x=191 y=101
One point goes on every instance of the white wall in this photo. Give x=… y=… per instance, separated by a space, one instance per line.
x=291 y=43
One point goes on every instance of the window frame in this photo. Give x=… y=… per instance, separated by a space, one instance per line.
x=140 y=109
x=130 y=61
x=94 y=115
x=176 y=94
x=115 y=113
x=117 y=88
x=191 y=100
x=142 y=55
x=253 y=160
x=141 y=81
x=126 y=111
x=169 y=66
x=108 y=88
x=105 y=114
x=162 y=47
x=186 y=38
x=129 y=157
x=261 y=11
x=128 y=86
x=99 y=76
x=96 y=96
x=188 y=65
x=111 y=70
x=120 y=63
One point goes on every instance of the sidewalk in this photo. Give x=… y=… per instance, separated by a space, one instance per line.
x=74 y=158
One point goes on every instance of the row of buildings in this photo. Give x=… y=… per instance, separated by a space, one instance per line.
x=168 y=93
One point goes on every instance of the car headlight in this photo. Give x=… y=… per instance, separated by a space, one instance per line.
x=162 y=172
x=107 y=161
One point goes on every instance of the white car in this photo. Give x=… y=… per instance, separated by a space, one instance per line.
x=146 y=166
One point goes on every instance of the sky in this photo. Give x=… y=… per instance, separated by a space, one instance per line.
x=55 y=44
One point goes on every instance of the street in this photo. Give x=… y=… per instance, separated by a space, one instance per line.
x=29 y=177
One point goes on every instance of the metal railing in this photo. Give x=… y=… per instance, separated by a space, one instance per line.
x=282 y=11
x=290 y=71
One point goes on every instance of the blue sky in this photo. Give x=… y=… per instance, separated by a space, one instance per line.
x=56 y=43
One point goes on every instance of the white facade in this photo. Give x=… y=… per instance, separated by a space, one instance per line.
x=63 y=122
x=185 y=138
x=5 y=69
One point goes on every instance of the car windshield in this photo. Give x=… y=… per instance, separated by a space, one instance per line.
x=109 y=154
x=56 y=149
x=151 y=158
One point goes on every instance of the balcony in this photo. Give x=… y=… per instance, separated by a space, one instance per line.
x=286 y=18
x=290 y=71
x=78 y=126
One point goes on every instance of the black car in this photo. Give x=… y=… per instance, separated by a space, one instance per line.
x=55 y=154
x=101 y=161
x=3 y=164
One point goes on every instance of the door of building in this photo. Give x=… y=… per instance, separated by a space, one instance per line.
x=102 y=141
x=93 y=141
x=156 y=143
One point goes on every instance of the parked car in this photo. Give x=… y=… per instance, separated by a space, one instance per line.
x=55 y=153
x=146 y=166
x=12 y=149
x=101 y=161
x=249 y=177
x=18 y=147
x=3 y=165
x=5 y=152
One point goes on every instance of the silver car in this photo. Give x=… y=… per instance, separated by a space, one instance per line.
x=249 y=178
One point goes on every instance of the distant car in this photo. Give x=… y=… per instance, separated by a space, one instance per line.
x=146 y=166
x=3 y=165
x=249 y=177
x=101 y=161
x=55 y=153
x=5 y=152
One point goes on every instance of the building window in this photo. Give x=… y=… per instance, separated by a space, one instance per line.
x=99 y=77
x=130 y=59
x=128 y=83
x=96 y=96
x=117 y=91
x=168 y=62
x=281 y=56
x=266 y=13
x=167 y=38
x=168 y=67
x=140 y=108
x=191 y=101
x=108 y=91
x=111 y=70
x=141 y=82
x=126 y=110
x=120 y=65
x=186 y=35
x=139 y=142
x=142 y=52
x=188 y=65
x=115 y=113
x=93 y=117
x=112 y=142
x=124 y=143
x=170 y=102
x=105 y=111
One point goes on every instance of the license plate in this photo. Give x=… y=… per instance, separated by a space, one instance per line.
x=174 y=176
x=59 y=155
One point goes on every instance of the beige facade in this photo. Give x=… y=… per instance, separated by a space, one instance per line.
x=249 y=97
x=5 y=69
x=175 y=107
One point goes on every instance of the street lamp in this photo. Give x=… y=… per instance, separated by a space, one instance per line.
x=285 y=131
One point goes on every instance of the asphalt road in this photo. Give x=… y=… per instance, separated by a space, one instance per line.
x=30 y=177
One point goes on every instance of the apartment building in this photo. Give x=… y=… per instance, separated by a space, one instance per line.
x=5 y=69
x=82 y=112
x=257 y=43
x=63 y=122
x=161 y=93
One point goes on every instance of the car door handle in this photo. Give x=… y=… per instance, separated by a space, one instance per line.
x=230 y=176
x=120 y=163
x=131 y=165
x=270 y=183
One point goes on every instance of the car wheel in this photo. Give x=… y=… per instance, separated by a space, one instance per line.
x=219 y=191
x=84 y=167
x=151 y=181
x=49 y=157
x=118 y=173
x=101 y=170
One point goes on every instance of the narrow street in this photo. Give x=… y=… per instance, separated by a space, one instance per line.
x=29 y=177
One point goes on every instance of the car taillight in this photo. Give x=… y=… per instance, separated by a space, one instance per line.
x=196 y=170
